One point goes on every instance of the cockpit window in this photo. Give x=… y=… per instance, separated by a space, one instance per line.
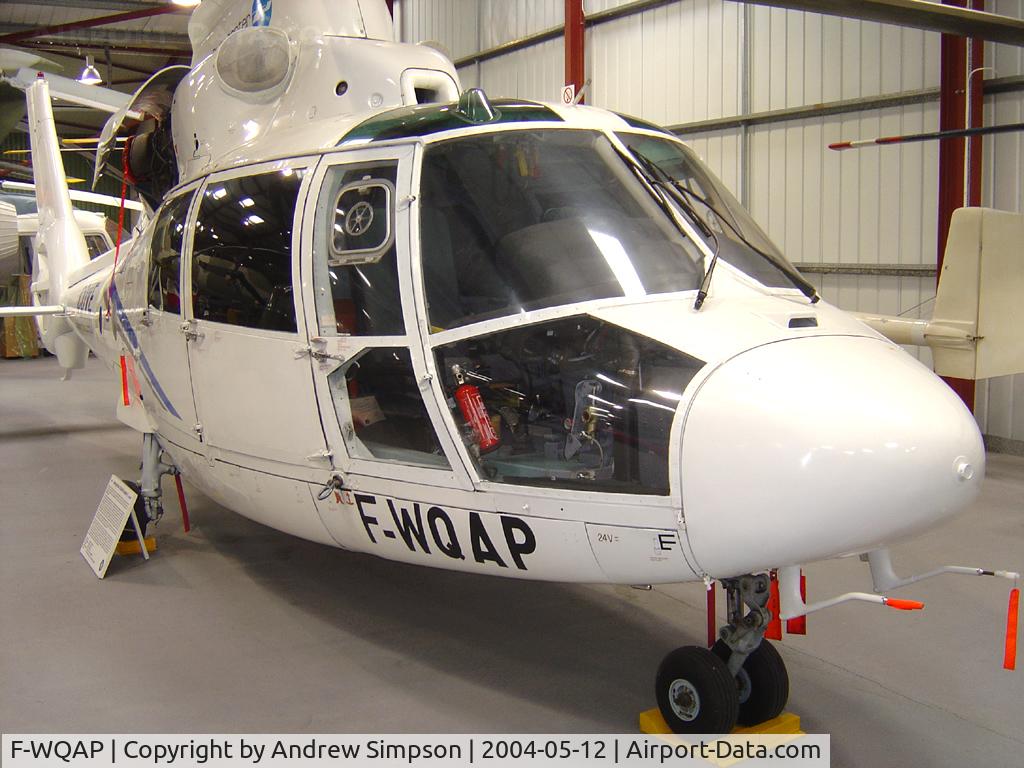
x=572 y=403
x=520 y=220
x=740 y=238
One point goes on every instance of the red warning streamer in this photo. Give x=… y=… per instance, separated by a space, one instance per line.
x=1012 y=616
x=774 y=631
x=186 y=523
x=712 y=629
x=124 y=382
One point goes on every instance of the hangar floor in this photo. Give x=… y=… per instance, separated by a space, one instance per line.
x=237 y=628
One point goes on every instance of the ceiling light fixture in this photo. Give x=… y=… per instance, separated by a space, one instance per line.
x=90 y=75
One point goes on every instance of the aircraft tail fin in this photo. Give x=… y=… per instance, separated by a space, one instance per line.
x=980 y=291
x=977 y=329
x=60 y=246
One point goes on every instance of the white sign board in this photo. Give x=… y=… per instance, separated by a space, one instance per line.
x=569 y=94
x=111 y=517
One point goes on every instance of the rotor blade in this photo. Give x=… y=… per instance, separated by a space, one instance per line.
x=934 y=135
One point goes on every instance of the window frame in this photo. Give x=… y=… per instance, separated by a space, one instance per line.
x=405 y=156
x=307 y=165
x=186 y=250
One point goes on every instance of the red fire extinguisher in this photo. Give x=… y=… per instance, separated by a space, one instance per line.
x=475 y=412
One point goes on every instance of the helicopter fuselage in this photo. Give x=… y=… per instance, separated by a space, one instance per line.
x=397 y=345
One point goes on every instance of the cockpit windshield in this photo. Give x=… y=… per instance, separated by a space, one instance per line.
x=520 y=220
x=742 y=243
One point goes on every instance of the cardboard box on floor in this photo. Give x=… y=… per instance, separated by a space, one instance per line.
x=20 y=337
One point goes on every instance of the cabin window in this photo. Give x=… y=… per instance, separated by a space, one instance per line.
x=574 y=403
x=516 y=221
x=165 y=255
x=242 y=251
x=354 y=253
x=381 y=411
x=97 y=245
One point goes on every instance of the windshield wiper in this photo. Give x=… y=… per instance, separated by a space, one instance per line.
x=805 y=287
x=661 y=185
x=682 y=194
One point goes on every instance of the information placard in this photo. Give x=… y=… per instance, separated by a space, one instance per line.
x=107 y=524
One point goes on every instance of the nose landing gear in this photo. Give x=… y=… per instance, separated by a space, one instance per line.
x=741 y=679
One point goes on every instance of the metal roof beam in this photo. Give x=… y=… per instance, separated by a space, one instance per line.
x=96 y=5
x=121 y=50
x=96 y=21
x=915 y=13
x=102 y=37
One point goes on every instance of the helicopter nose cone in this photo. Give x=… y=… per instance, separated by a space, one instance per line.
x=816 y=447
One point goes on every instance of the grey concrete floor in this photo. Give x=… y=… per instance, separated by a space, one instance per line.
x=238 y=628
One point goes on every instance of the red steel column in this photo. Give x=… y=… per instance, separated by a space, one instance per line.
x=574 y=31
x=952 y=108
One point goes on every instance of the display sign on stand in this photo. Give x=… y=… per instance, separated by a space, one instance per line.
x=116 y=508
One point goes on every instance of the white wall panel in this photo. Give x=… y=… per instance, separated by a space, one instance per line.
x=805 y=58
x=1001 y=401
x=453 y=23
x=533 y=73
x=505 y=20
x=674 y=64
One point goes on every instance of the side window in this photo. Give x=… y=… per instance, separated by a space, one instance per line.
x=572 y=403
x=381 y=412
x=165 y=256
x=354 y=255
x=97 y=245
x=242 y=251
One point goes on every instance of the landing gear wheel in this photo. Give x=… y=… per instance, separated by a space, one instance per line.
x=762 y=684
x=695 y=692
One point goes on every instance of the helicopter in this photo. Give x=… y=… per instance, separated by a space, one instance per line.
x=537 y=341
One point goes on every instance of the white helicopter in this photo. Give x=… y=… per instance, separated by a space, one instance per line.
x=501 y=337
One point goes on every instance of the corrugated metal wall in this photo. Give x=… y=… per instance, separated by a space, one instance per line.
x=1000 y=406
x=697 y=60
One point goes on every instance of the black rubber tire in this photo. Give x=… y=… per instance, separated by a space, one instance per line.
x=718 y=702
x=769 y=683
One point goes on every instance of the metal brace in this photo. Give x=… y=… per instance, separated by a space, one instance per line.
x=744 y=633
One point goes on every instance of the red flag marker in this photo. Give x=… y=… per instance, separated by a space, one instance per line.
x=124 y=382
x=1012 y=615
x=774 y=631
x=904 y=605
x=712 y=628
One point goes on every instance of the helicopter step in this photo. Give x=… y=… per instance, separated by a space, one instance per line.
x=740 y=679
